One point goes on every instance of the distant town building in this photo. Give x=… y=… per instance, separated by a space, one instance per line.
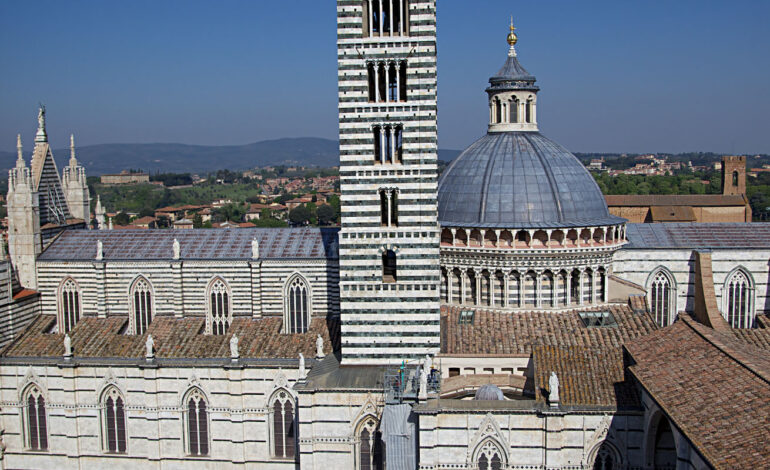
x=125 y=177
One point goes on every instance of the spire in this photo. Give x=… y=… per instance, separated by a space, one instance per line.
x=512 y=40
x=41 y=136
x=98 y=209
x=73 y=160
x=20 y=154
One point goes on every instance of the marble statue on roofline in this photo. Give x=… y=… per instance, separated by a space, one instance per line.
x=67 y=346
x=254 y=248
x=99 y=250
x=319 y=347
x=176 y=249
x=553 y=389
x=234 y=354
x=149 y=345
x=302 y=370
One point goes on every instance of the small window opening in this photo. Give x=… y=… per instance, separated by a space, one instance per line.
x=389 y=267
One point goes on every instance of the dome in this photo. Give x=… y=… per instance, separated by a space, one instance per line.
x=520 y=180
x=489 y=392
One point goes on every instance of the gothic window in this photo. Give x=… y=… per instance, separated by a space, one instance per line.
x=196 y=423
x=283 y=426
x=141 y=306
x=220 y=311
x=69 y=305
x=575 y=287
x=738 y=299
x=389 y=266
x=393 y=82
x=113 y=421
x=370 y=455
x=35 y=419
x=377 y=144
x=382 y=84
x=606 y=458
x=402 y=78
x=489 y=456
x=297 y=317
x=388 y=144
x=662 y=301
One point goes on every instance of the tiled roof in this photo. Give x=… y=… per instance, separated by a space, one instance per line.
x=759 y=337
x=498 y=333
x=587 y=376
x=175 y=338
x=303 y=243
x=698 y=235
x=588 y=361
x=642 y=200
x=713 y=386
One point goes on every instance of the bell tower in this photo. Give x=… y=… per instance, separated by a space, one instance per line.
x=389 y=241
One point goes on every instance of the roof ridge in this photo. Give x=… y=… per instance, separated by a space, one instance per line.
x=738 y=356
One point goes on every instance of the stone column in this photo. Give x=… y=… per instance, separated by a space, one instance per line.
x=539 y=289
x=497 y=241
x=387 y=82
x=492 y=280
x=594 y=273
x=449 y=275
x=388 y=193
x=477 y=275
x=463 y=282
x=454 y=235
x=506 y=286
x=398 y=81
x=392 y=144
x=580 y=283
x=369 y=19
x=568 y=281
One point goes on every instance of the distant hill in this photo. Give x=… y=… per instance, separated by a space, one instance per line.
x=112 y=158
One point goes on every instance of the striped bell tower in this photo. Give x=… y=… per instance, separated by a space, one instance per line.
x=389 y=241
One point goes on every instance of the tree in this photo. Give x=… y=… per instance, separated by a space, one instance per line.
x=121 y=218
x=197 y=221
x=300 y=215
x=326 y=214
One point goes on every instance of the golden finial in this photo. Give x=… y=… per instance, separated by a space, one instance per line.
x=512 y=38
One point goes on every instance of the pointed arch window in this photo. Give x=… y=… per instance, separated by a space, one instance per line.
x=606 y=457
x=36 y=425
x=489 y=456
x=298 y=307
x=113 y=421
x=141 y=305
x=738 y=299
x=196 y=423
x=69 y=305
x=283 y=426
x=220 y=314
x=662 y=301
x=369 y=441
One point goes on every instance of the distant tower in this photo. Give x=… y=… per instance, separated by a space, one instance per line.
x=389 y=244
x=734 y=176
x=24 y=239
x=76 y=188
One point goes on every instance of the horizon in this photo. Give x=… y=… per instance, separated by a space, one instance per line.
x=166 y=83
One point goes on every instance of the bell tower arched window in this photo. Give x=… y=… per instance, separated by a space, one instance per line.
x=36 y=424
x=196 y=423
x=297 y=316
x=113 y=421
x=388 y=144
x=283 y=427
x=738 y=300
x=369 y=441
x=385 y=18
x=662 y=301
x=141 y=305
x=69 y=305
x=220 y=311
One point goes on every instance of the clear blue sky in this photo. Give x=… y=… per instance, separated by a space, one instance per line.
x=634 y=76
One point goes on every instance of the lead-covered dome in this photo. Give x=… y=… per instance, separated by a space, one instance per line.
x=521 y=180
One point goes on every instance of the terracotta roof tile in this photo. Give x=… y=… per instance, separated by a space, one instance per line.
x=714 y=386
x=174 y=338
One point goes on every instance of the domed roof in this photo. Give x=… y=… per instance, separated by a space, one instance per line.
x=519 y=180
x=489 y=392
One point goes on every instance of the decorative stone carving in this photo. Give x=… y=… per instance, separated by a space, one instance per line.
x=423 y=393
x=99 y=250
x=176 y=249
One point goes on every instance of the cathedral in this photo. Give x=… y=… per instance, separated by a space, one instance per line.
x=495 y=317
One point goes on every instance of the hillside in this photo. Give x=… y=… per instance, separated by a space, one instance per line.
x=112 y=158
